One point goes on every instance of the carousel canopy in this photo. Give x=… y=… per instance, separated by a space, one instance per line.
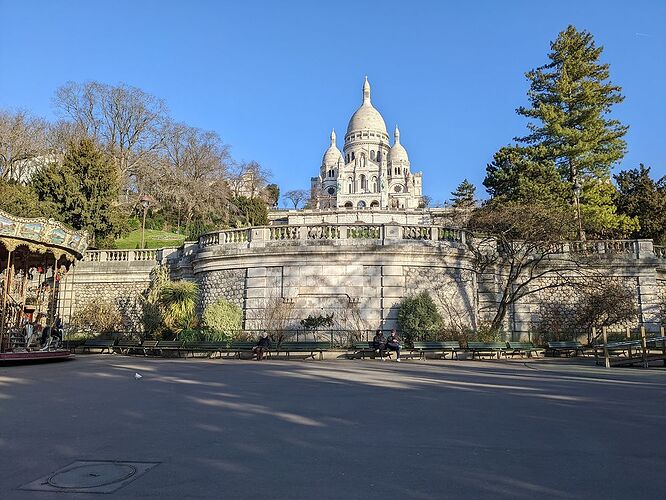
x=40 y=236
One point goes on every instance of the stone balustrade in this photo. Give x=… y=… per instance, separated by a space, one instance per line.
x=330 y=232
x=660 y=252
x=150 y=255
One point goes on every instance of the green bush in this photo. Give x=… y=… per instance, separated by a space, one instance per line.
x=178 y=302
x=419 y=319
x=222 y=320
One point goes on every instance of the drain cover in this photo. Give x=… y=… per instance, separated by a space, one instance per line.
x=91 y=476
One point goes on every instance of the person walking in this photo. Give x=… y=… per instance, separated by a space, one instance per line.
x=393 y=344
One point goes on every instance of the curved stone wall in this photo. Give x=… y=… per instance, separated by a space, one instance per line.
x=357 y=272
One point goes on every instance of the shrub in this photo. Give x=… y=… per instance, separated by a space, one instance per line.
x=178 y=302
x=418 y=318
x=97 y=316
x=222 y=320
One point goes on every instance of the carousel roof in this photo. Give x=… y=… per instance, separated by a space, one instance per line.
x=42 y=235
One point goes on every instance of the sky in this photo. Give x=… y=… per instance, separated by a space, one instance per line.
x=272 y=78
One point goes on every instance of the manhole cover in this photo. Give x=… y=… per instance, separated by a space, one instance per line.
x=91 y=476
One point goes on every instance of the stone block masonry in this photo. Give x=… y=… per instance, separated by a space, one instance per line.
x=360 y=278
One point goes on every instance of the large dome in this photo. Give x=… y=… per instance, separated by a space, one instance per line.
x=366 y=117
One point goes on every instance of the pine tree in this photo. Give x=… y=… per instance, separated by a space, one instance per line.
x=515 y=175
x=84 y=189
x=642 y=197
x=464 y=196
x=571 y=98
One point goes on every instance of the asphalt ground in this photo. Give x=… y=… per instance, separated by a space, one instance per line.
x=338 y=429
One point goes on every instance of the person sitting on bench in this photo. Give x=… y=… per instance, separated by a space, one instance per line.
x=379 y=343
x=393 y=344
x=262 y=345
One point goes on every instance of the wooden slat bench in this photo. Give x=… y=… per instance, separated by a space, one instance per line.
x=170 y=346
x=444 y=347
x=366 y=349
x=522 y=348
x=101 y=344
x=126 y=346
x=486 y=348
x=209 y=348
x=148 y=346
x=240 y=347
x=303 y=347
x=567 y=347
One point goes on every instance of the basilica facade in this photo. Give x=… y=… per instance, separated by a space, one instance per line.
x=369 y=172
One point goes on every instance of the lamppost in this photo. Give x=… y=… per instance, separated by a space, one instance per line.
x=145 y=203
x=577 y=191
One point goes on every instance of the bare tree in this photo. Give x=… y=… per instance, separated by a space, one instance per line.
x=525 y=245
x=248 y=179
x=125 y=120
x=188 y=176
x=22 y=142
x=297 y=196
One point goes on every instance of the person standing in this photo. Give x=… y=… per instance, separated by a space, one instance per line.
x=393 y=344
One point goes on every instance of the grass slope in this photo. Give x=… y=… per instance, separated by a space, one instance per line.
x=154 y=239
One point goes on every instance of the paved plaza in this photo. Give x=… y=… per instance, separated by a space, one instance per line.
x=335 y=429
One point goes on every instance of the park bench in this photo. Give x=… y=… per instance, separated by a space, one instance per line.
x=366 y=349
x=567 y=347
x=101 y=344
x=445 y=348
x=126 y=346
x=522 y=348
x=72 y=345
x=487 y=348
x=169 y=346
x=148 y=346
x=208 y=348
x=239 y=347
x=303 y=347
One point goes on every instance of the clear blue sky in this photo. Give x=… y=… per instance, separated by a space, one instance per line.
x=272 y=78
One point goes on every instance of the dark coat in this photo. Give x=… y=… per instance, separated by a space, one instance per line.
x=264 y=342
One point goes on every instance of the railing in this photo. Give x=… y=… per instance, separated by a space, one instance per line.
x=364 y=232
x=604 y=247
x=120 y=256
x=660 y=252
x=284 y=232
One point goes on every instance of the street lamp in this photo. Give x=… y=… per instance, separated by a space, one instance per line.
x=145 y=203
x=578 y=191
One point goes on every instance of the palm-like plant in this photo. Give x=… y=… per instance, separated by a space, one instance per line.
x=178 y=301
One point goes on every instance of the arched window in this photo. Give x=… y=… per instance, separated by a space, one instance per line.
x=349 y=204
x=379 y=156
x=353 y=156
x=374 y=204
x=373 y=186
x=372 y=155
x=361 y=204
x=350 y=185
x=363 y=183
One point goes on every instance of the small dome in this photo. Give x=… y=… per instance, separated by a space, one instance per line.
x=398 y=153
x=366 y=117
x=332 y=155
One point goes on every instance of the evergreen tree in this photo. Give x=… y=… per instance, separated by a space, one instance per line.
x=642 y=197
x=570 y=99
x=516 y=176
x=464 y=196
x=84 y=189
x=571 y=136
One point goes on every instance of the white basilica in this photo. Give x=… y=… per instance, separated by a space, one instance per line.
x=369 y=173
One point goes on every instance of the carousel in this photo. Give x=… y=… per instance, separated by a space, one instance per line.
x=35 y=255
